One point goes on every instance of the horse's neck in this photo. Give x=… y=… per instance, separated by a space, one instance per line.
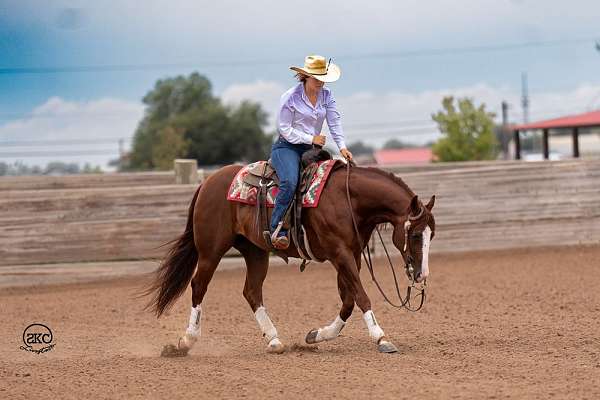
x=379 y=198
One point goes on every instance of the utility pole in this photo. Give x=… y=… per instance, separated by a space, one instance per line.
x=505 y=131
x=525 y=97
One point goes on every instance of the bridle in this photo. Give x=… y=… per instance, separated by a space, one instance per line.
x=406 y=256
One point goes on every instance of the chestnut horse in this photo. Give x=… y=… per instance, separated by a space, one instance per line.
x=215 y=225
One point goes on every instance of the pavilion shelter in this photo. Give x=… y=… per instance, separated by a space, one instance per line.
x=574 y=123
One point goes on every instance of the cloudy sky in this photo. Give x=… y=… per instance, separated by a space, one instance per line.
x=72 y=73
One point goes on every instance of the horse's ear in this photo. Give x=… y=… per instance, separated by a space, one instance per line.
x=415 y=207
x=431 y=203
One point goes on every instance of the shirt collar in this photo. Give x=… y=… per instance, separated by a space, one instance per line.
x=305 y=97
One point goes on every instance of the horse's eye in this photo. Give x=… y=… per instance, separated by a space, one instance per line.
x=416 y=236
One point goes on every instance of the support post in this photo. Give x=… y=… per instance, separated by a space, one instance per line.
x=545 y=144
x=576 y=142
x=517 y=139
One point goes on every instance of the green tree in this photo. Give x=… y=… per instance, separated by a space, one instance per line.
x=170 y=145
x=61 y=168
x=468 y=132
x=247 y=135
x=89 y=169
x=396 y=144
x=359 y=148
x=183 y=119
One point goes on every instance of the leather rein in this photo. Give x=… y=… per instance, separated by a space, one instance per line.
x=404 y=302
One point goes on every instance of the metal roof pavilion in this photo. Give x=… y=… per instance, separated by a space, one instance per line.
x=573 y=122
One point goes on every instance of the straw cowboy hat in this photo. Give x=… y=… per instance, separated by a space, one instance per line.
x=319 y=68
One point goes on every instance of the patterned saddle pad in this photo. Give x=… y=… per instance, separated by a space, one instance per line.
x=242 y=192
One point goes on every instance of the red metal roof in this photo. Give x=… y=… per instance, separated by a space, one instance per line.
x=421 y=155
x=580 y=120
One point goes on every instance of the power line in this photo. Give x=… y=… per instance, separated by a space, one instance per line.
x=60 y=142
x=550 y=113
x=13 y=116
x=389 y=134
x=85 y=152
x=262 y=62
x=401 y=129
x=475 y=49
x=66 y=153
x=387 y=123
x=397 y=128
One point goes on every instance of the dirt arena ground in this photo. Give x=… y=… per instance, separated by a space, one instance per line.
x=510 y=324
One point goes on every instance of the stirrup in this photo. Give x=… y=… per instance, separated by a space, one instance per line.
x=279 y=242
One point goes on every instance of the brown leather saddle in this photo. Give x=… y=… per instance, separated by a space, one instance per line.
x=263 y=176
x=261 y=172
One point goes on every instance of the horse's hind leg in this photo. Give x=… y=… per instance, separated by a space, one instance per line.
x=210 y=254
x=204 y=272
x=333 y=330
x=257 y=262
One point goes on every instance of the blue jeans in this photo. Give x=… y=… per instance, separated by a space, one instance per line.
x=285 y=158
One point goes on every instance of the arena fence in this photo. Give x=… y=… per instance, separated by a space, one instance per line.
x=479 y=206
x=512 y=205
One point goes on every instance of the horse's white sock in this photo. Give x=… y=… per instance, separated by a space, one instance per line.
x=331 y=331
x=375 y=330
x=195 y=319
x=264 y=322
x=192 y=332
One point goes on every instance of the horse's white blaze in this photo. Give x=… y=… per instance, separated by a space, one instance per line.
x=425 y=260
x=375 y=330
x=331 y=331
x=266 y=326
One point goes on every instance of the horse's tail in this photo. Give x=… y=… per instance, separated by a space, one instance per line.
x=177 y=269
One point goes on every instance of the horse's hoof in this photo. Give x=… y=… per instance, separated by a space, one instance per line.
x=170 y=350
x=311 y=337
x=275 y=347
x=386 y=347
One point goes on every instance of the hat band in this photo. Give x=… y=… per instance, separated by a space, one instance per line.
x=316 y=71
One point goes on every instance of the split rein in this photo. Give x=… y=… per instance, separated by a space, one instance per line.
x=404 y=302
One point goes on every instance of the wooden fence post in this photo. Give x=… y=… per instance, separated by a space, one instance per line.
x=186 y=171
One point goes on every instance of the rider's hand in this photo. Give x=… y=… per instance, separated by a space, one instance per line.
x=319 y=140
x=346 y=154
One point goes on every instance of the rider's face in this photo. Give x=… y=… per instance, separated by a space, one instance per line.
x=313 y=83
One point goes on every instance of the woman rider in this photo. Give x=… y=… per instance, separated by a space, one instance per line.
x=303 y=109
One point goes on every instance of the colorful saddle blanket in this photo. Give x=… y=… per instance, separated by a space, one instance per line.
x=242 y=192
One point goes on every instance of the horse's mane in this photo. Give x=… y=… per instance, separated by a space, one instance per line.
x=391 y=176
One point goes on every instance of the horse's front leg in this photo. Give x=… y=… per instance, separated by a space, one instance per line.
x=349 y=268
x=257 y=262
x=333 y=330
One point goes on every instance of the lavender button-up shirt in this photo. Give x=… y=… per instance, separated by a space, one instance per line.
x=299 y=120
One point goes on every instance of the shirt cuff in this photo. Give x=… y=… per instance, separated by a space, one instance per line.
x=307 y=138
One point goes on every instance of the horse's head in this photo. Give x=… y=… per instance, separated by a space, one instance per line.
x=412 y=236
